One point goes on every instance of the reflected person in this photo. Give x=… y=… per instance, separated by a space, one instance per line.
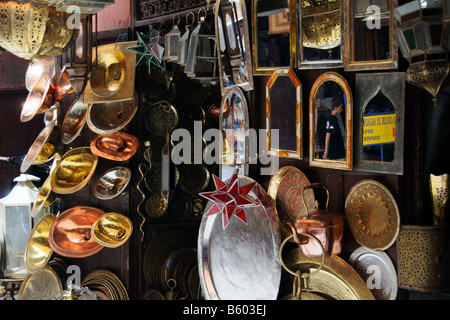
x=334 y=143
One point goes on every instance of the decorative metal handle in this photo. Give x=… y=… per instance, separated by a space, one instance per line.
x=311 y=186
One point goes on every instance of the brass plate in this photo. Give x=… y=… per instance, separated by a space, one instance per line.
x=108 y=73
x=105 y=279
x=372 y=215
x=126 y=90
x=42 y=285
x=336 y=280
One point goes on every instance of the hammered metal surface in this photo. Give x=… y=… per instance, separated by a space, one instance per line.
x=42 y=285
x=241 y=262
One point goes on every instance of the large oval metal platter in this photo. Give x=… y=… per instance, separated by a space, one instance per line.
x=241 y=261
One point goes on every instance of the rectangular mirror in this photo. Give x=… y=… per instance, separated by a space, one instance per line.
x=369 y=35
x=233 y=50
x=284 y=114
x=379 y=122
x=274 y=35
x=320 y=34
x=330 y=123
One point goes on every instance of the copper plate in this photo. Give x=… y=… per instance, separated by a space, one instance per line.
x=63 y=85
x=70 y=235
x=112 y=183
x=35 y=70
x=118 y=146
x=112 y=229
x=110 y=117
x=41 y=285
x=285 y=189
x=74 y=121
x=372 y=215
x=38 y=250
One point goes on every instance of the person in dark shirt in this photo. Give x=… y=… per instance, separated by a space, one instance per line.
x=334 y=143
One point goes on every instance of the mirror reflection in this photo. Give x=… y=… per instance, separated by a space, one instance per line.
x=234 y=51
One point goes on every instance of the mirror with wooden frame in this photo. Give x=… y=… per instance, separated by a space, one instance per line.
x=369 y=31
x=284 y=114
x=330 y=122
x=320 y=43
x=234 y=125
x=274 y=35
x=234 y=51
x=379 y=122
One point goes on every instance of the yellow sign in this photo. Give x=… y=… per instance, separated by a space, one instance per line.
x=378 y=129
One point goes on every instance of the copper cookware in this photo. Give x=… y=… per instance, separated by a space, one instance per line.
x=118 y=146
x=112 y=229
x=112 y=183
x=74 y=121
x=70 y=234
x=326 y=226
x=108 y=73
x=35 y=70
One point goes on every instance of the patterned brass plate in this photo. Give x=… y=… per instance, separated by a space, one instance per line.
x=107 y=283
x=41 y=285
x=372 y=215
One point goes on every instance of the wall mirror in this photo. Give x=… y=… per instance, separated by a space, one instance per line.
x=234 y=125
x=234 y=51
x=274 y=35
x=369 y=35
x=330 y=122
x=379 y=122
x=284 y=114
x=320 y=34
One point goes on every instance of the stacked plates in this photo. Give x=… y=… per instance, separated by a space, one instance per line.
x=106 y=285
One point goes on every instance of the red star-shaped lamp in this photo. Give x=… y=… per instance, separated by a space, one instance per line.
x=229 y=199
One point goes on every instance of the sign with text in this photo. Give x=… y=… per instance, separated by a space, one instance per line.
x=378 y=129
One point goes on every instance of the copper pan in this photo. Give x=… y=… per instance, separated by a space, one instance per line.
x=70 y=234
x=74 y=121
x=35 y=69
x=112 y=229
x=63 y=85
x=117 y=146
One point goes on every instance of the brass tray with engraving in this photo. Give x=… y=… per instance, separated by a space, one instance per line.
x=44 y=284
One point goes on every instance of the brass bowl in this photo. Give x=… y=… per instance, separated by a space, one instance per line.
x=112 y=229
x=45 y=197
x=30 y=30
x=322 y=31
x=110 y=117
x=117 y=146
x=70 y=234
x=108 y=73
x=38 y=251
x=112 y=183
x=74 y=171
x=74 y=121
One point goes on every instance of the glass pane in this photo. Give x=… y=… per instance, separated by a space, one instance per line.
x=17 y=230
x=409 y=36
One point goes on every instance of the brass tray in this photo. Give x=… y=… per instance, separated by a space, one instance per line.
x=41 y=285
x=372 y=215
x=285 y=189
x=106 y=282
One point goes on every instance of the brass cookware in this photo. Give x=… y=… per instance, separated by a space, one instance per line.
x=44 y=284
x=118 y=146
x=74 y=121
x=108 y=72
x=70 y=234
x=74 y=170
x=106 y=285
x=112 y=229
x=112 y=183
x=45 y=197
x=38 y=251
x=110 y=117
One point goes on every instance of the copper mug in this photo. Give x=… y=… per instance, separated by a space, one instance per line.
x=327 y=227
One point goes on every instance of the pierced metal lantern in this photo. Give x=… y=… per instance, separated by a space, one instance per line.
x=424 y=40
x=172 y=43
x=85 y=6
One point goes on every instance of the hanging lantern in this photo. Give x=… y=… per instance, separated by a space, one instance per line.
x=201 y=61
x=16 y=225
x=85 y=6
x=183 y=43
x=172 y=42
x=424 y=40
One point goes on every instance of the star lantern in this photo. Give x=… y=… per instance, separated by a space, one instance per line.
x=148 y=49
x=230 y=199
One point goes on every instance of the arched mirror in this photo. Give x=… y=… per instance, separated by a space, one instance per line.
x=274 y=35
x=284 y=114
x=379 y=122
x=320 y=34
x=234 y=51
x=330 y=122
x=369 y=35
x=234 y=125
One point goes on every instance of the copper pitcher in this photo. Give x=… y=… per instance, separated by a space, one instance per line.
x=327 y=227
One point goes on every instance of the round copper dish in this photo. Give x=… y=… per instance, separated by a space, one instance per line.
x=74 y=170
x=110 y=117
x=108 y=73
x=372 y=215
x=112 y=183
x=38 y=251
x=117 y=146
x=74 y=120
x=63 y=85
x=70 y=234
x=112 y=229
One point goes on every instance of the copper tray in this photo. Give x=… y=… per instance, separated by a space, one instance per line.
x=285 y=189
x=118 y=146
x=70 y=234
x=372 y=215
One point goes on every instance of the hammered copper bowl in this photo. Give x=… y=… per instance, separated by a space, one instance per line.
x=70 y=234
x=74 y=171
x=38 y=251
x=108 y=73
x=74 y=121
x=110 y=117
x=112 y=183
x=117 y=146
x=112 y=229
